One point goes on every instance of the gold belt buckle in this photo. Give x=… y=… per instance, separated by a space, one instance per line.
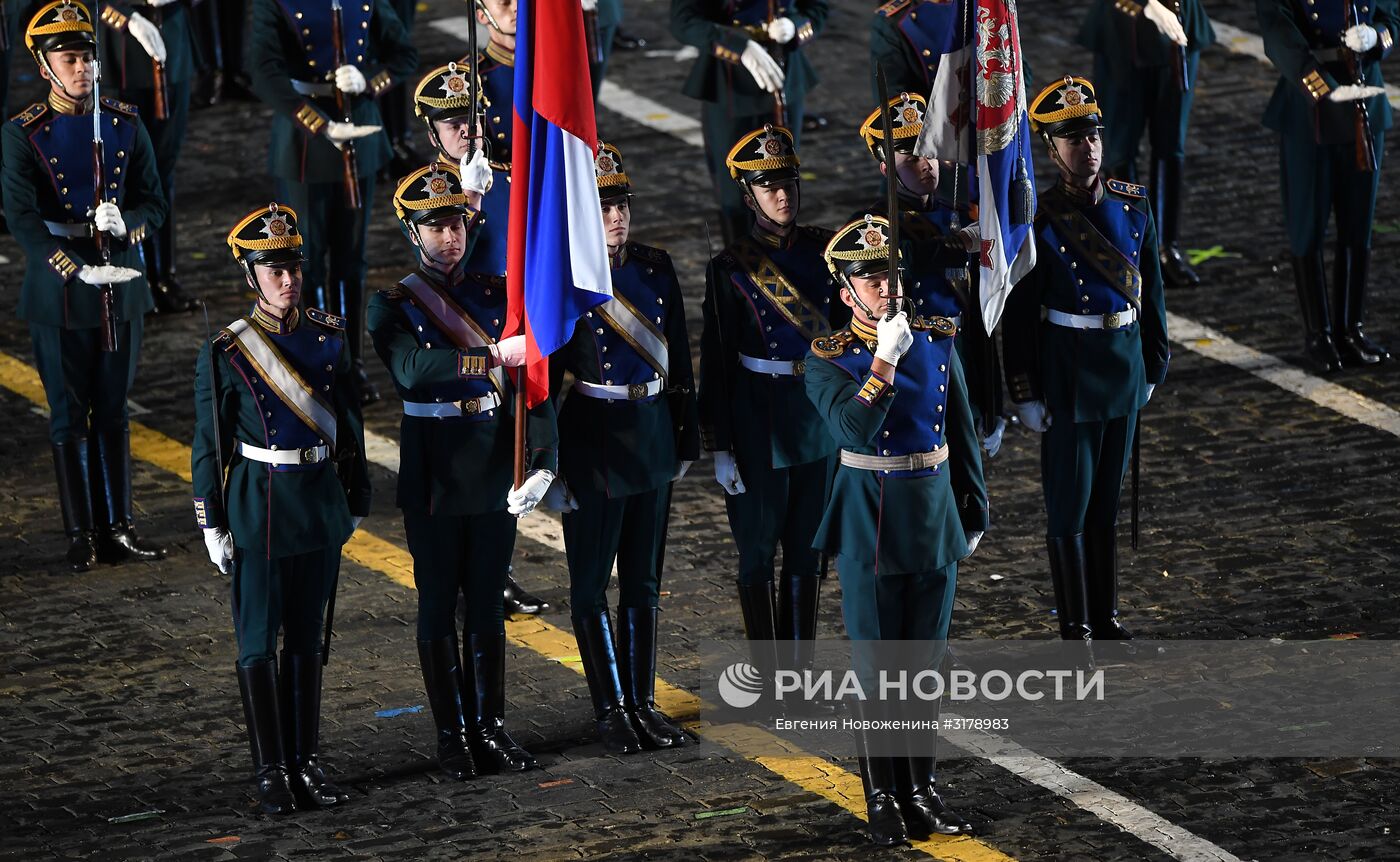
x=307 y=456
x=1110 y=321
x=636 y=391
x=471 y=406
x=799 y=367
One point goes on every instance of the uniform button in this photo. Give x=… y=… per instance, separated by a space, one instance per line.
x=768 y=328
x=52 y=161
x=918 y=301
x=605 y=348
x=935 y=428
x=262 y=397
x=927 y=52
x=63 y=191
x=650 y=271
x=885 y=434
x=268 y=414
x=1062 y=249
x=763 y=312
x=885 y=451
x=930 y=339
x=1081 y=283
x=598 y=331
x=427 y=345
x=121 y=154
x=939 y=408
x=658 y=320
x=1084 y=298
x=420 y=327
x=942 y=368
x=773 y=344
x=609 y=382
x=1126 y=208
x=320 y=338
x=942 y=388
x=326 y=388
x=855 y=350
x=1135 y=234
x=607 y=366
x=273 y=447
x=588 y=314
x=273 y=432
x=330 y=367
x=660 y=301
x=1074 y=264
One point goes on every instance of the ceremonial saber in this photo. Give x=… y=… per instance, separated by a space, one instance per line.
x=895 y=293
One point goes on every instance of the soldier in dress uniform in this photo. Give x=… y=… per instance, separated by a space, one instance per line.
x=495 y=66
x=439 y=333
x=1086 y=343
x=151 y=63
x=628 y=429
x=939 y=239
x=49 y=202
x=908 y=501
x=767 y=295
x=1145 y=60
x=293 y=50
x=766 y=38
x=280 y=484
x=1331 y=111
x=908 y=38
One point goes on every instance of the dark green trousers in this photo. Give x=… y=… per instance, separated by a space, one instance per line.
x=1319 y=179
x=284 y=593
x=630 y=529
x=896 y=607
x=166 y=135
x=1139 y=99
x=460 y=554
x=722 y=129
x=599 y=70
x=781 y=508
x=85 y=386
x=1081 y=467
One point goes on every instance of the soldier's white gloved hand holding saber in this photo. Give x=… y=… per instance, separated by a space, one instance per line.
x=477 y=175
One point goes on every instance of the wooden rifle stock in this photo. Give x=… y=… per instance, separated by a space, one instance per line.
x=590 y=37
x=343 y=107
x=162 y=106
x=1365 y=144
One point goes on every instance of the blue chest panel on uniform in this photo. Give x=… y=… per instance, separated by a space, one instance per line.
x=498 y=79
x=1324 y=21
x=757 y=11
x=310 y=21
x=802 y=264
x=645 y=285
x=312 y=352
x=491 y=247
x=65 y=143
x=917 y=420
x=932 y=29
x=485 y=303
x=1123 y=224
x=926 y=282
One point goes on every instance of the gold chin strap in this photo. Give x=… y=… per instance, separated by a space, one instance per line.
x=490 y=19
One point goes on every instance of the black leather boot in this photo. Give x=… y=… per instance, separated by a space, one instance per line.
x=258 y=684
x=70 y=464
x=159 y=250
x=636 y=658
x=1349 y=290
x=117 y=539
x=760 y=627
x=925 y=812
x=595 y=647
x=351 y=306
x=492 y=748
x=1317 y=319
x=1068 y=572
x=1166 y=201
x=878 y=778
x=301 y=725
x=799 y=599
x=518 y=601
x=442 y=678
x=1101 y=550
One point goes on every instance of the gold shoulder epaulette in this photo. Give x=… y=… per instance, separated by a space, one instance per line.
x=1132 y=190
x=224 y=340
x=893 y=8
x=833 y=345
x=30 y=115
x=330 y=321
x=121 y=107
x=938 y=325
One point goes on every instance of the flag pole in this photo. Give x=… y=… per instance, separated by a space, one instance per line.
x=519 y=425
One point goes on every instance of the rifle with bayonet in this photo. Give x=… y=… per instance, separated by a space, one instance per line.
x=895 y=292
x=1365 y=144
x=343 y=107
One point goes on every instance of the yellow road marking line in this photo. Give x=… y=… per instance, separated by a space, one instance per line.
x=811 y=773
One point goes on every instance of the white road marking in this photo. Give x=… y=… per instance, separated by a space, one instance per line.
x=1238 y=41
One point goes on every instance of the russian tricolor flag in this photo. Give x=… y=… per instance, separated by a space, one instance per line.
x=557 y=263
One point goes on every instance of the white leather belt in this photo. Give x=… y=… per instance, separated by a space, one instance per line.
x=72 y=230
x=313 y=88
x=284 y=457
x=915 y=461
x=628 y=392
x=449 y=409
x=784 y=367
x=1114 y=320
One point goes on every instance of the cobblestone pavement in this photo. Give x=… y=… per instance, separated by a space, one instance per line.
x=1265 y=515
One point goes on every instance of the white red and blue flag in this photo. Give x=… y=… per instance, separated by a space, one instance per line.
x=557 y=260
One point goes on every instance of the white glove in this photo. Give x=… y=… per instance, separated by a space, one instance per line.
x=108 y=219
x=509 y=352
x=349 y=79
x=1166 y=21
x=159 y=3
x=147 y=35
x=106 y=274
x=1354 y=93
x=895 y=338
x=523 y=500
x=355 y=522
x=559 y=498
x=589 y=5
x=781 y=30
x=765 y=70
x=681 y=470
x=220 y=545
x=339 y=133
x=477 y=175
x=991 y=444
x=974 y=539
x=727 y=474
x=1150 y=388
x=1034 y=415
x=1360 y=38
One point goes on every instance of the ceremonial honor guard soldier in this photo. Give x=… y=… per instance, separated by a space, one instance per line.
x=322 y=68
x=495 y=68
x=907 y=504
x=1086 y=343
x=908 y=39
x=1145 y=59
x=439 y=333
x=939 y=239
x=86 y=330
x=151 y=64
x=1331 y=111
x=627 y=430
x=442 y=101
x=280 y=484
x=767 y=295
x=765 y=38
